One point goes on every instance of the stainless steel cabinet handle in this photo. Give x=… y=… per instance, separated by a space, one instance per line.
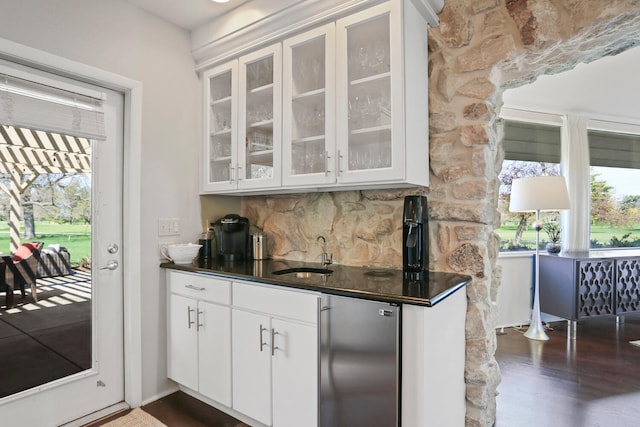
x=198 y=324
x=231 y=169
x=190 y=322
x=326 y=163
x=324 y=308
x=273 y=341
x=340 y=157
x=195 y=288
x=262 y=343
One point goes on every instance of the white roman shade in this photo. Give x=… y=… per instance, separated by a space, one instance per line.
x=32 y=105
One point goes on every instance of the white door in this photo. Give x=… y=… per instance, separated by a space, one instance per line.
x=295 y=374
x=251 y=350
x=102 y=385
x=183 y=341
x=214 y=352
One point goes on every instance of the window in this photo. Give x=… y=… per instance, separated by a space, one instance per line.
x=531 y=149
x=615 y=194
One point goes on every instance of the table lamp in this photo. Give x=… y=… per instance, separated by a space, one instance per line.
x=535 y=194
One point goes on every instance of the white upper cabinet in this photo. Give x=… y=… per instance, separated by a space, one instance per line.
x=369 y=111
x=337 y=107
x=243 y=104
x=220 y=128
x=308 y=115
x=382 y=114
x=259 y=121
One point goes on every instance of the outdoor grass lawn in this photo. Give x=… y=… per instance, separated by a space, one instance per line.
x=75 y=237
x=602 y=234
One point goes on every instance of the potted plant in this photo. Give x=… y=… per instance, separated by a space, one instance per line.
x=552 y=229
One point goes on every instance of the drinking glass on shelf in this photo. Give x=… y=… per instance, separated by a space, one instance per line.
x=316 y=67
x=378 y=57
x=354 y=112
x=222 y=121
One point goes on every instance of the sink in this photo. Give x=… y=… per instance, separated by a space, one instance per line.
x=303 y=272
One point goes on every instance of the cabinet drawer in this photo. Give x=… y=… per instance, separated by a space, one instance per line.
x=201 y=287
x=277 y=302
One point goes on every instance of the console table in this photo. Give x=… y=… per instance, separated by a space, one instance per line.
x=578 y=286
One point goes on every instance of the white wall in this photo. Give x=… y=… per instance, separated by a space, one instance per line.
x=120 y=38
x=514 y=294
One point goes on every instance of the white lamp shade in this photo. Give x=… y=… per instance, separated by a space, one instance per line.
x=544 y=193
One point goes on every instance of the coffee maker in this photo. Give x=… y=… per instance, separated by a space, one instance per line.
x=232 y=238
x=415 y=234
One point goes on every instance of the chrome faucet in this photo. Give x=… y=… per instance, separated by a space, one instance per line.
x=327 y=258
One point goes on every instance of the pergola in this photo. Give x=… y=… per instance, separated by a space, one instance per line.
x=26 y=154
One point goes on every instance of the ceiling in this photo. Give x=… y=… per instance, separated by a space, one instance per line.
x=188 y=14
x=608 y=87
x=589 y=88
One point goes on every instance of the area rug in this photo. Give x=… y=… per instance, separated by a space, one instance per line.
x=636 y=343
x=135 y=418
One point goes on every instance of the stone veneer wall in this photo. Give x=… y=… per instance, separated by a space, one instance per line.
x=481 y=48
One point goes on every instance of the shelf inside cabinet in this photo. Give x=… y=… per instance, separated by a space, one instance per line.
x=224 y=134
x=221 y=102
x=266 y=125
x=308 y=140
x=266 y=90
x=221 y=159
x=263 y=157
x=311 y=98
x=370 y=135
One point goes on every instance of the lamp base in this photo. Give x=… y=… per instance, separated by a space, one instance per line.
x=536 y=332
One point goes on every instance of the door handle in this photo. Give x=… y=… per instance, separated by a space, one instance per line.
x=111 y=265
x=198 y=324
x=273 y=341
x=189 y=321
x=262 y=343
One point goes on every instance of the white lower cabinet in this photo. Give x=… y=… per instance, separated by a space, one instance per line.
x=275 y=355
x=199 y=341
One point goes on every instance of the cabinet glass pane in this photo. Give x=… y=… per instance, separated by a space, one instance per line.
x=369 y=98
x=308 y=107
x=259 y=123
x=220 y=127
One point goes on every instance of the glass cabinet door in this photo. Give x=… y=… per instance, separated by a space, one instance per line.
x=369 y=142
x=221 y=107
x=308 y=116
x=259 y=163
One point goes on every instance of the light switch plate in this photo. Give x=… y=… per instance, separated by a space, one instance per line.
x=168 y=226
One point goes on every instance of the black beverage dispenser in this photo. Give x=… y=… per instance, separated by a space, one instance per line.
x=415 y=234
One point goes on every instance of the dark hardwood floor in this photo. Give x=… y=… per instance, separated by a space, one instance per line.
x=588 y=382
x=593 y=381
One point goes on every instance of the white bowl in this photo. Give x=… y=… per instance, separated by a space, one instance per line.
x=180 y=253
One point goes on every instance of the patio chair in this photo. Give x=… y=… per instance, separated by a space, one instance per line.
x=20 y=270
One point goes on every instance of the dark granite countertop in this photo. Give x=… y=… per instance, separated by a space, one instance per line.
x=380 y=284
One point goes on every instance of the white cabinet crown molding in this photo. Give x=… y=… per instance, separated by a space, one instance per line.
x=228 y=36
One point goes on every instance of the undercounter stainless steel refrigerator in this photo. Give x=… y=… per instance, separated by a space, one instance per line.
x=359 y=363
